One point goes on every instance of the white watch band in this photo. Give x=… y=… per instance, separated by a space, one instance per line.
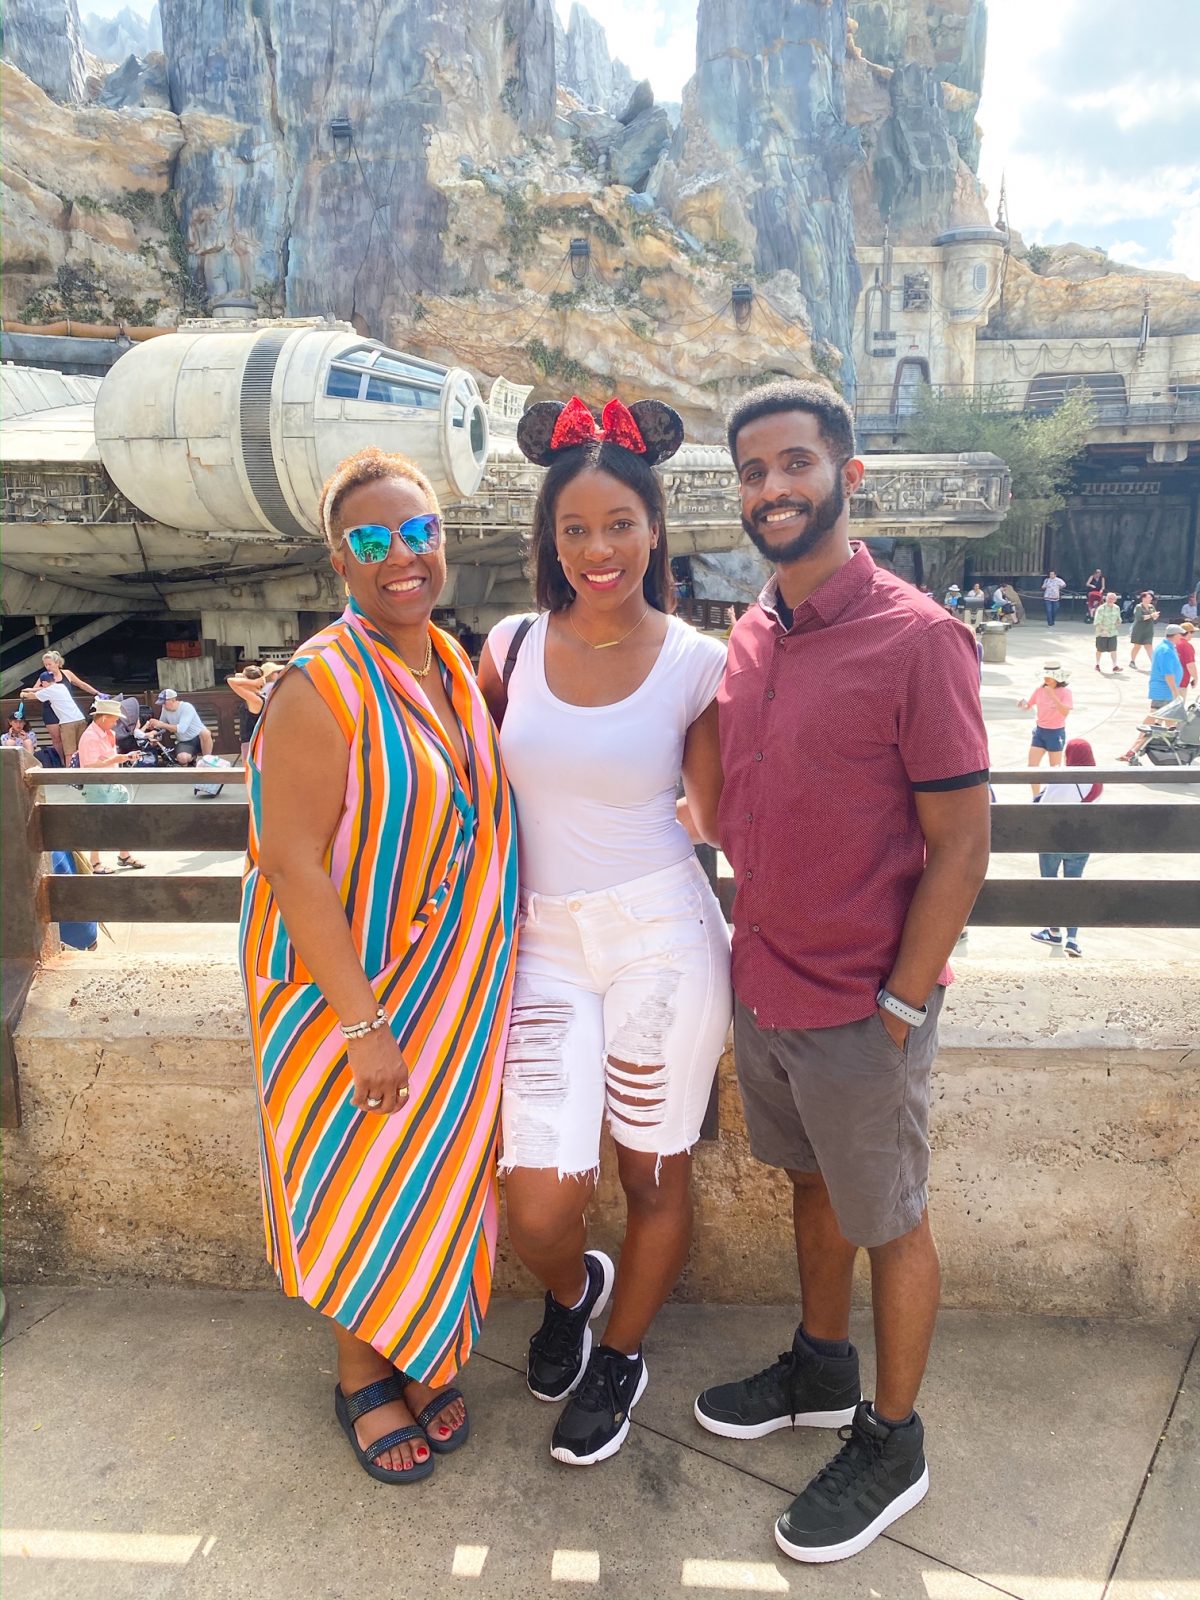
x=913 y=1015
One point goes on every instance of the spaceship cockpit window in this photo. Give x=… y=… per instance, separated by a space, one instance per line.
x=343 y=382
x=401 y=394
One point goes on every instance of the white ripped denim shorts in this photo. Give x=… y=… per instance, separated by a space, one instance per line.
x=621 y=1009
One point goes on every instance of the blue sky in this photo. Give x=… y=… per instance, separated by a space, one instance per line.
x=1090 y=107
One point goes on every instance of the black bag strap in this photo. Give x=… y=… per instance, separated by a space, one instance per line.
x=514 y=649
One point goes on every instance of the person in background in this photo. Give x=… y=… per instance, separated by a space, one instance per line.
x=1002 y=605
x=1014 y=600
x=1095 y=592
x=1186 y=651
x=1052 y=703
x=953 y=601
x=1141 y=636
x=18 y=735
x=1069 y=863
x=1106 y=620
x=98 y=749
x=180 y=717
x=1188 y=609
x=248 y=685
x=1052 y=590
x=61 y=717
x=1166 y=669
x=974 y=601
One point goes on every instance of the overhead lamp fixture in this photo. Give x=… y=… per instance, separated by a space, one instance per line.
x=341 y=131
x=743 y=303
x=581 y=258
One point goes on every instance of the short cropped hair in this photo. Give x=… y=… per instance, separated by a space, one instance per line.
x=368 y=466
x=834 y=417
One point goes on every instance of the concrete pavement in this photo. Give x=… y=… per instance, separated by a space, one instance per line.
x=176 y=1443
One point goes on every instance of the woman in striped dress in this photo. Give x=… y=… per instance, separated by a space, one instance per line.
x=379 y=904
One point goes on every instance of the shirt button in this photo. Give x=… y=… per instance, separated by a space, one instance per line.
x=749 y=874
x=758 y=755
x=770 y=694
x=749 y=816
x=573 y=905
x=754 y=927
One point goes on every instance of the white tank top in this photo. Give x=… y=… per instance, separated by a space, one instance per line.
x=595 y=785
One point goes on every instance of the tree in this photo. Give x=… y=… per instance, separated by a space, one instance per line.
x=1039 y=449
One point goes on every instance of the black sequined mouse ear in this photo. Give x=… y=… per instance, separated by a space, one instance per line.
x=536 y=429
x=660 y=427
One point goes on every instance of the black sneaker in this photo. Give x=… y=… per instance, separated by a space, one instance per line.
x=559 y=1350
x=800 y=1390
x=595 y=1422
x=877 y=1476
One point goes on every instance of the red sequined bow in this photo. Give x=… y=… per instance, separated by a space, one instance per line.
x=576 y=425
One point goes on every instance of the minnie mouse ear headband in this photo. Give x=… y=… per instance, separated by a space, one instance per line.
x=647 y=428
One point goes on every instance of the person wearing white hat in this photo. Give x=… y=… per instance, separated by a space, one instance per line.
x=1052 y=703
x=953 y=600
x=98 y=748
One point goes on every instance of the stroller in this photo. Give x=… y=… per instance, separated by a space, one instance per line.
x=152 y=752
x=1170 y=738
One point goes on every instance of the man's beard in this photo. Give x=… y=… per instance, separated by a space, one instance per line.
x=821 y=520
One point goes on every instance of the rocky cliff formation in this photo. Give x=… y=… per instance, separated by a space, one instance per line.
x=584 y=66
x=762 y=158
x=1100 y=305
x=90 y=228
x=115 y=39
x=913 y=79
x=42 y=39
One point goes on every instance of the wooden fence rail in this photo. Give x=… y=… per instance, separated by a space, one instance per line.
x=31 y=899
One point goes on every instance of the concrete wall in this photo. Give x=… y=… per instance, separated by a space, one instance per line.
x=1066 y=1170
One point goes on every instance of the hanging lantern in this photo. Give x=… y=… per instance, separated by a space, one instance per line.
x=581 y=258
x=341 y=131
x=743 y=303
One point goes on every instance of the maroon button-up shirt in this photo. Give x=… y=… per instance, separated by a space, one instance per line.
x=826 y=730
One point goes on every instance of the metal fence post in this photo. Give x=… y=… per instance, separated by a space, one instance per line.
x=24 y=925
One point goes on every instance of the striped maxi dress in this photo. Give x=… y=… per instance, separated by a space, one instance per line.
x=388 y=1224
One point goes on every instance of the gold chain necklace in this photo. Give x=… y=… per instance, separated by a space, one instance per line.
x=423 y=670
x=608 y=644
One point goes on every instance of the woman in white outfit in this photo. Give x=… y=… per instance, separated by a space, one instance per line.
x=622 y=999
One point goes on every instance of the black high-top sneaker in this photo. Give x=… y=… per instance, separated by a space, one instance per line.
x=559 y=1350
x=877 y=1475
x=595 y=1421
x=800 y=1390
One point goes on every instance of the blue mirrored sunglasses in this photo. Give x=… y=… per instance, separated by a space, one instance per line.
x=372 y=542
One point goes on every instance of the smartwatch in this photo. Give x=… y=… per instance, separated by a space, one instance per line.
x=913 y=1015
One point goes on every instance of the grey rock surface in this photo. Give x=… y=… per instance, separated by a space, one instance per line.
x=129 y=33
x=639 y=102
x=633 y=156
x=356 y=230
x=42 y=38
x=765 y=132
x=138 y=82
x=584 y=64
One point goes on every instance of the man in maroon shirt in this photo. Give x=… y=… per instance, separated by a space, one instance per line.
x=855 y=817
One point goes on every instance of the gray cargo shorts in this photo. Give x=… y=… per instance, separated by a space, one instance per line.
x=849 y=1103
